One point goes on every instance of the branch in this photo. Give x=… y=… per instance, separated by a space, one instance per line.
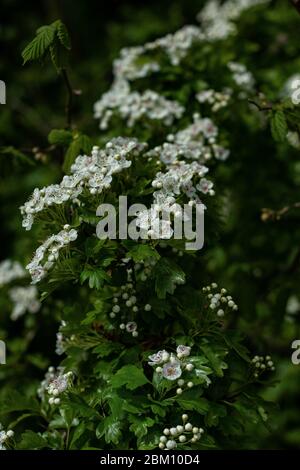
x=296 y=4
x=69 y=102
x=270 y=214
x=259 y=107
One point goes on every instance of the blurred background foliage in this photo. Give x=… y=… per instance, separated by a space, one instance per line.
x=257 y=260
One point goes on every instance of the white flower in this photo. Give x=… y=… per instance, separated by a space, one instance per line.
x=49 y=248
x=60 y=344
x=204 y=185
x=58 y=383
x=172 y=370
x=217 y=19
x=171 y=444
x=10 y=270
x=131 y=327
x=157 y=358
x=24 y=299
x=241 y=75
x=191 y=143
x=183 y=350
x=93 y=172
x=4 y=436
x=134 y=106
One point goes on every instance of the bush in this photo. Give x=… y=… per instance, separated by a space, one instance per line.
x=152 y=334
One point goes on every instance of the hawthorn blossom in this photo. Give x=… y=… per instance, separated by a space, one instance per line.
x=241 y=75
x=10 y=270
x=172 y=370
x=198 y=142
x=94 y=173
x=133 y=106
x=5 y=436
x=217 y=19
x=204 y=185
x=217 y=100
x=183 y=350
x=158 y=358
x=24 y=299
x=131 y=327
x=56 y=382
x=181 y=433
x=39 y=267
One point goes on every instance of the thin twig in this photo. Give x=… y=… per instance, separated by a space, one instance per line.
x=296 y=4
x=270 y=214
x=69 y=102
x=261 y=108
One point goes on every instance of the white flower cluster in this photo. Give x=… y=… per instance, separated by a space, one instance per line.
x=217 y=19
x=218 y=300
x=181 y=434
x=60 y=340
x=93 y=172
x=143 y=268
x=241 y=75
x=198 y=142
x=5 y=436
x=262 y=364
x=216 y=99
x=55 y=383
x=293 y=139
x=134 y=106
x=24 y=299
x=39 y=267
x=176 y=181
x=125 y=67
x=171 y=366
x=9 y=271
x=216 y=23
x=175 y=46
x=126 y=305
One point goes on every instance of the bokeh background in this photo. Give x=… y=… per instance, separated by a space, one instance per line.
x=259 y=262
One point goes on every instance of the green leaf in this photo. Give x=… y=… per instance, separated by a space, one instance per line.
x=15 y=401
x=105 y=348
x=140 y=425
x=95 y=276
x=167 y=275
x=37 y=48
x=141 y=252
x=60 y=137
x=131 y=376
x=109 y=427
x=63 y=34
x=199 y=404
x=79 y=406
x=10 y=156
x=32 y=441
x=59 y=56
x=78 y=437
x=215 y=361
x=279 y=126
x=80 y=143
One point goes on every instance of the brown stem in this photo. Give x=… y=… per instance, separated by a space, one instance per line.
x=296 y=4
x=69 y=101
x=269 y=214
x=261 y=108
